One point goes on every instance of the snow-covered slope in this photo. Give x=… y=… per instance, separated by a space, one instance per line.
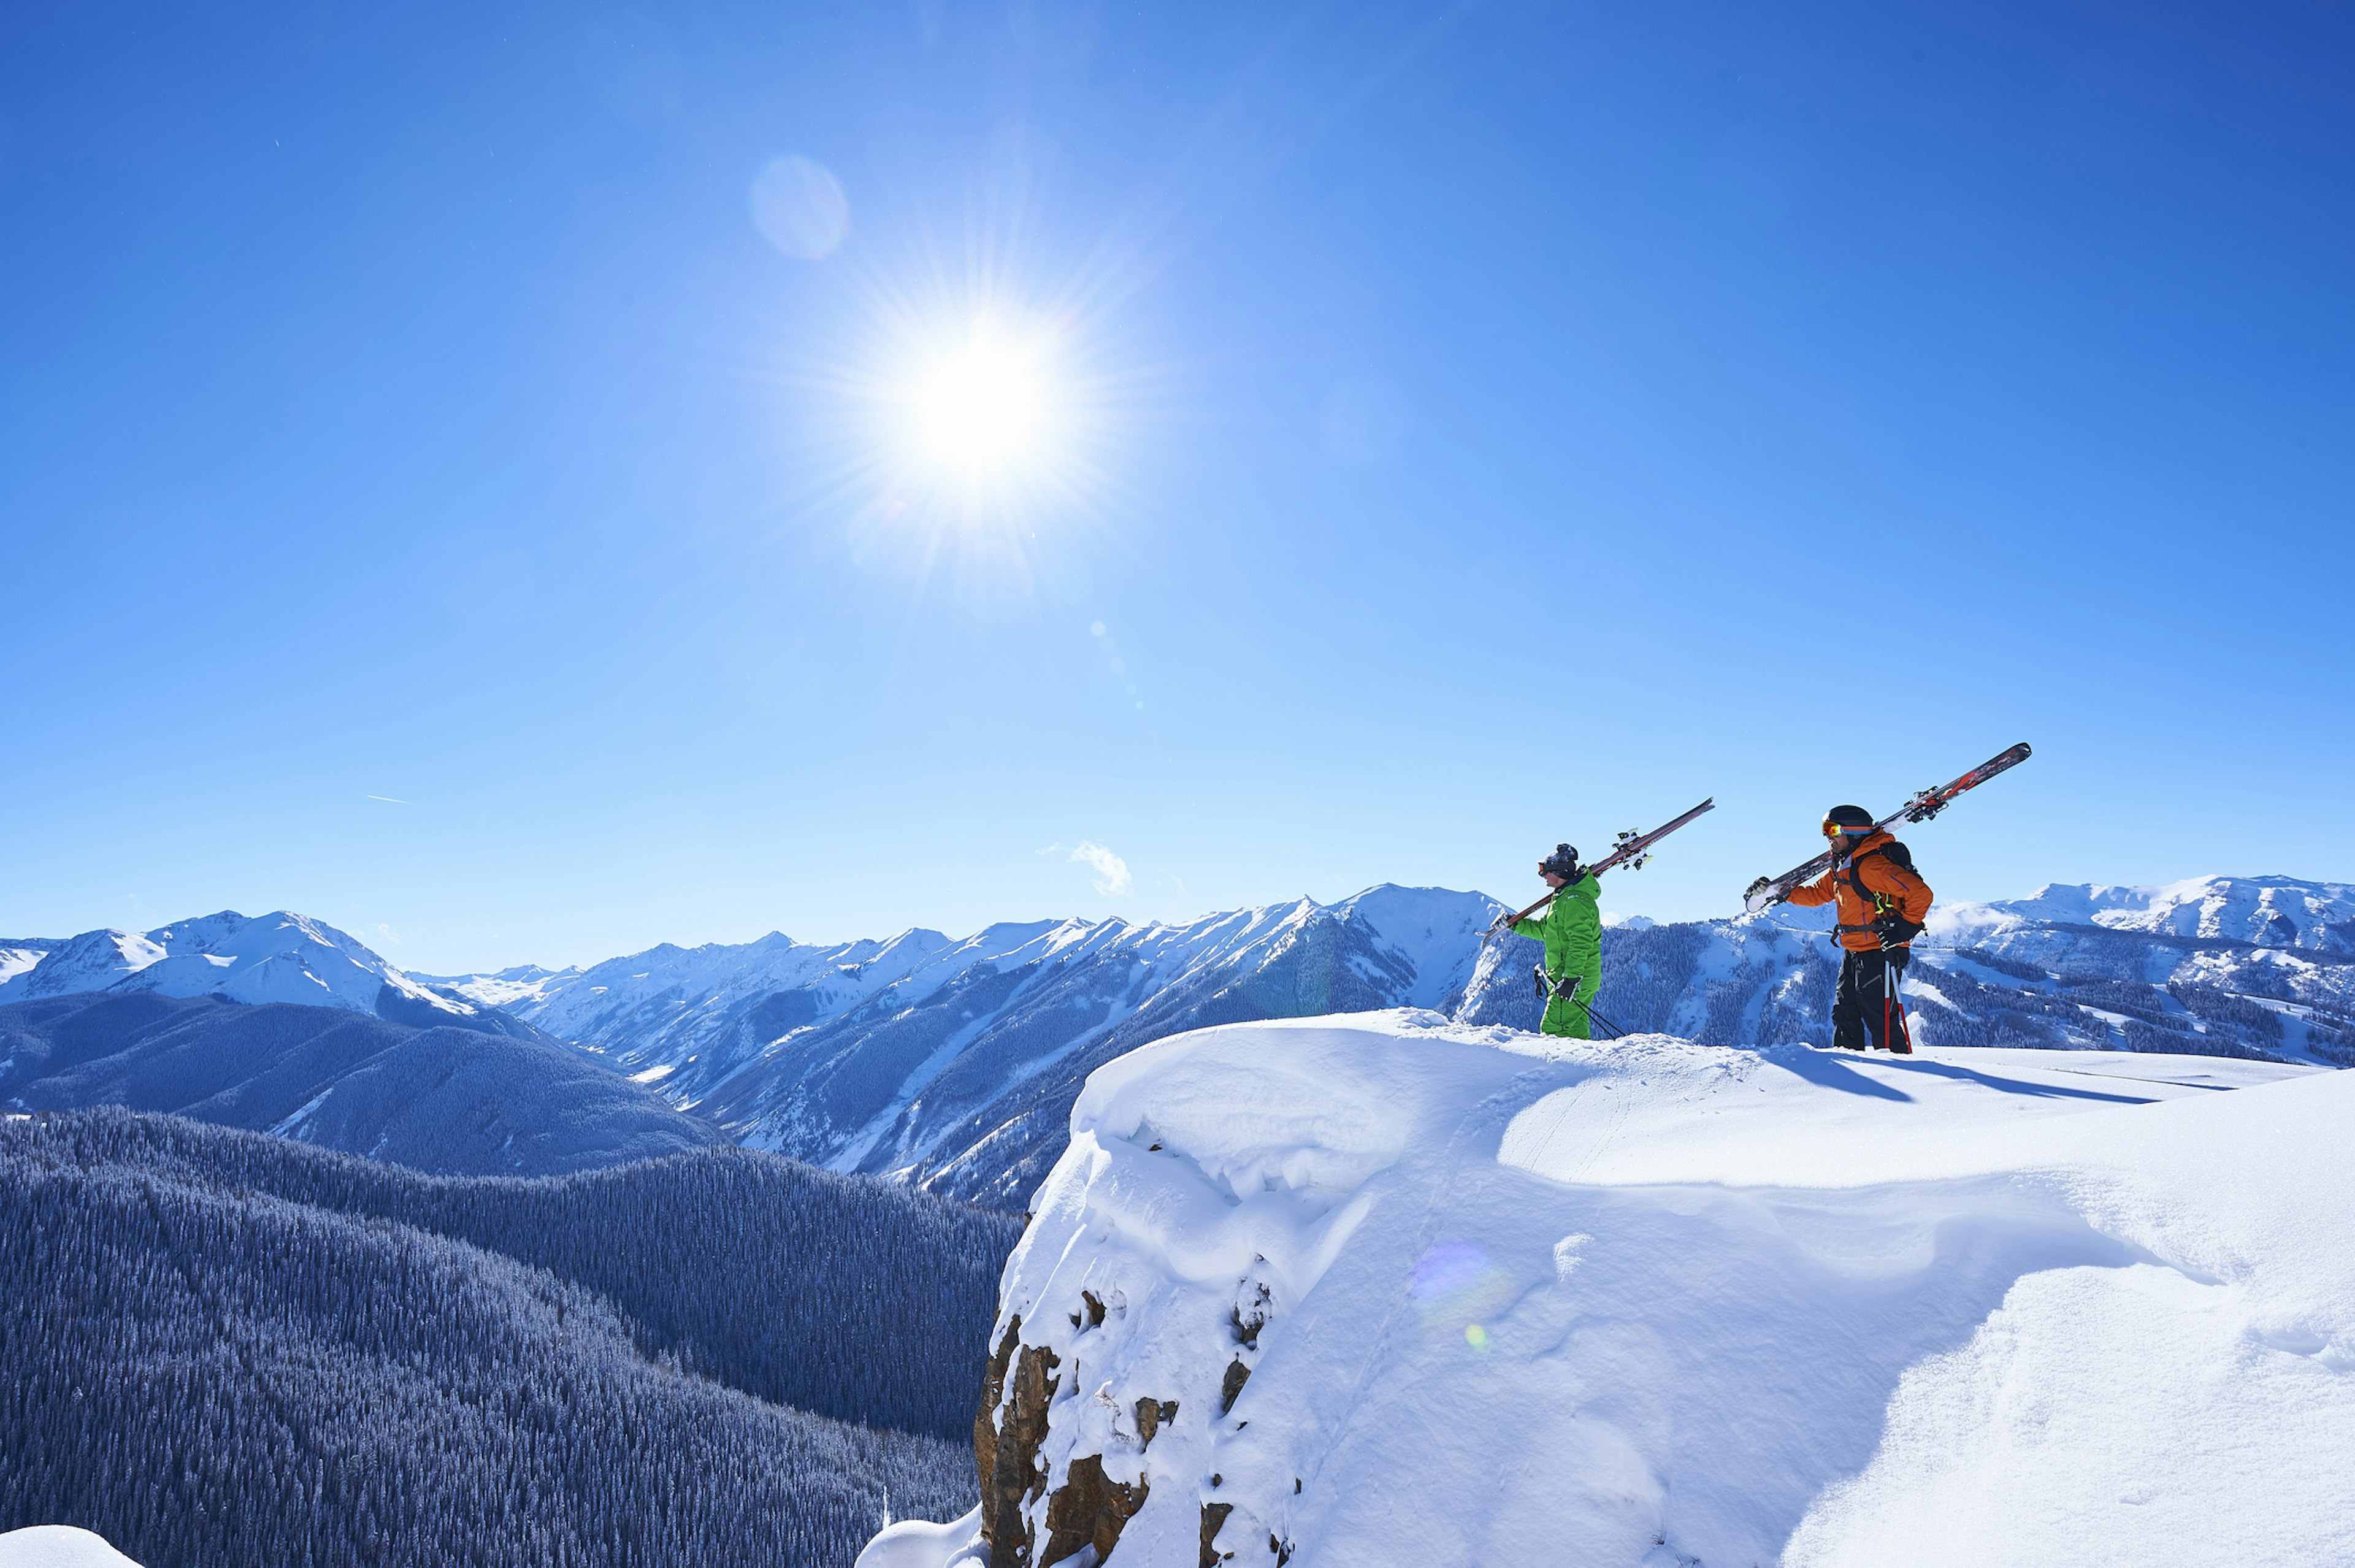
x=278 y=957
x=19 y=954
x=954 y=1063
x=1386 y=1290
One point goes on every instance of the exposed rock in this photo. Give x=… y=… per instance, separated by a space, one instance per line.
x=1231 y=1388
x=1089 y=1509
x=1007 y=1453
x=1152 y=1416
x=1213 y=1516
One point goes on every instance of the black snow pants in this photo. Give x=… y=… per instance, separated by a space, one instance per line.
x=1866 y=1012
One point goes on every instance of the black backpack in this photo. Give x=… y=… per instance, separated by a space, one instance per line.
x=1895 y=850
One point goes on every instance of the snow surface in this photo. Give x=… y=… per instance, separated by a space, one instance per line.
x=58 y=1546
x=1531 y=1301
x=14 y=960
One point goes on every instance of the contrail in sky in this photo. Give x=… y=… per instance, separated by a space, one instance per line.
x=388 y=800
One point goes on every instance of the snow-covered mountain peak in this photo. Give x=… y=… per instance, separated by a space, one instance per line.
x=277 y=957
x=1435 y=931
x=2262 y=911
x=91 y=961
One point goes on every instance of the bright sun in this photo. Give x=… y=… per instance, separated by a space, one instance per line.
x=982 y=407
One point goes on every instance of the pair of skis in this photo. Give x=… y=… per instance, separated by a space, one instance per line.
x=1768 y=891
x=1632 y=849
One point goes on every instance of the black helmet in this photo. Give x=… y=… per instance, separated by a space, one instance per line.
x=1846 y=819
x=1562 y=863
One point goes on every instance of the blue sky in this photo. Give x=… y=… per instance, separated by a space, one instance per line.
x=1479 y=428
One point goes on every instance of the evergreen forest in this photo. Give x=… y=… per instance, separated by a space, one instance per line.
x=222 y=1349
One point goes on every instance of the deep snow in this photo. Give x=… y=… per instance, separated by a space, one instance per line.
x=1530 y=1301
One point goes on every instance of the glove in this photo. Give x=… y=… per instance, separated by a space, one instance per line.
x=1895 y=930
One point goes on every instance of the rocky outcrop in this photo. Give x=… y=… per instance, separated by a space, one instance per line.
x=1007 y=1433
x=1089 y=1509
x=1214 y=1516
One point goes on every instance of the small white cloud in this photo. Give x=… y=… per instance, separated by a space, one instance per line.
x=388 y=800
x=1111 y=871
x=387 y=934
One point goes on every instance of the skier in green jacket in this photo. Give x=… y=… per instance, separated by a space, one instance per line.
x=1571 y=929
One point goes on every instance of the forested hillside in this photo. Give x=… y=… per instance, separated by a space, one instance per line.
x=457 y=1101
x=223 y=1349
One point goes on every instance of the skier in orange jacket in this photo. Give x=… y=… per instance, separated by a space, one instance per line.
x=1882 y=902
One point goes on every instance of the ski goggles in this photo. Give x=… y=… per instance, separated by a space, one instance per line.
x=1834 y=829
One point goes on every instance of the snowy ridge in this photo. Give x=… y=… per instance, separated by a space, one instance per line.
x=953 y=1063
x=2266 y=912
x=19 y=954
x=277 y=957
x=1383 y=1290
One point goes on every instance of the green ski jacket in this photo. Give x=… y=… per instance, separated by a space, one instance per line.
x=1571 y=929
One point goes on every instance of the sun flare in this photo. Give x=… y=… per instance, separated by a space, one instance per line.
x=982 y=407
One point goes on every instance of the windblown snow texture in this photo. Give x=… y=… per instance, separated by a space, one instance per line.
x=455 y=1100
x=1387 y=1291
x=232 y=1351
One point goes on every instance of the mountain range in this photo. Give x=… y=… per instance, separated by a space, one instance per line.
x=952 y=1064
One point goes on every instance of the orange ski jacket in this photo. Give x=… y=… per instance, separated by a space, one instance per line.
x=1908 y=895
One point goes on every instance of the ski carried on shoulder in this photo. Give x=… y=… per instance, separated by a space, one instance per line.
x=1768 y=891
x=1630 y=850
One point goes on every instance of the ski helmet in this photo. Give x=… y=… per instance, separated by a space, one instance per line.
x=1846 y=819
x=1562 y=863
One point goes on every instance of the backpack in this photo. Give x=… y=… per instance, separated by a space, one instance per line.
x=1895 y=850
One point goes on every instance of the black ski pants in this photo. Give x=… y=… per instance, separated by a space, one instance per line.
x=1866 y=1012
